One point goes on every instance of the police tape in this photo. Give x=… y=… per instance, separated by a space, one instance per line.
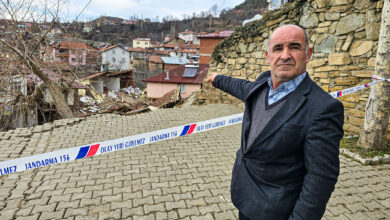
x=80 y=152
x=76 y=153
x=358 y=88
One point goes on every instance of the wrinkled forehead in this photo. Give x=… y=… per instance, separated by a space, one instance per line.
x=287 y=34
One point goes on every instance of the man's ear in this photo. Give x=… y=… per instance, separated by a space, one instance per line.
x=267 y=55
x=309 y=53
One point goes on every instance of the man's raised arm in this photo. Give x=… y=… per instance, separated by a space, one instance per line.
x=235 y=87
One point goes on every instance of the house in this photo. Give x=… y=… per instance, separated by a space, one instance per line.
x=155 y=63
x=173 y=62
x=115 y=58
x=138 y=53
x=208 y=42
x=187 y=36
x=187 y=78
x=141 y=42
x=104 y=82
x=274 y=4
x=73 y=53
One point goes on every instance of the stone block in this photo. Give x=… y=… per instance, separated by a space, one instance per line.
x=362 y=73
x=356 y=113
x=242 y=60
x=231 y=62
x=354 y=97
x=349 y=23
x=309 y=21
x=372 y=31
x=371 y=62
x=317 y=62
x=324 y=24
x=339 y=2
x=334 y=16
x=325 y=68
x=363 y=4
x=276 y=21
x=350 y=128
x=325 y=44
x=322 y=30
x=347 y=81
x=339 y=59
x=359 y=48
x=355 y=121
x=322 y=3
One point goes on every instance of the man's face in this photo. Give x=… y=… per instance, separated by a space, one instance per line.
x=287 y=54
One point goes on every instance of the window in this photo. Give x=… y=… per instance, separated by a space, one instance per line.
x=123 y=52
x=182 y=88
x=73 y=59
x=138 y=42
x=113 y=52
x=80 y=60
x=113 y=59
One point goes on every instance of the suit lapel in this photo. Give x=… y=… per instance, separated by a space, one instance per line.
x=293 y=103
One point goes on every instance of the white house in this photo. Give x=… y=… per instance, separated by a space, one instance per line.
x=187 y=36
x=115 y=58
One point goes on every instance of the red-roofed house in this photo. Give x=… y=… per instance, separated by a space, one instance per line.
x=208 y=42
x=188 y=78
x=74 y=53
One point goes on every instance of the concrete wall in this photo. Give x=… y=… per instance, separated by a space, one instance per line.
x=189 y=89
x=344 y=35
x=157 y=90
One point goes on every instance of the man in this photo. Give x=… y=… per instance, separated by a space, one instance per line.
x=288 y=163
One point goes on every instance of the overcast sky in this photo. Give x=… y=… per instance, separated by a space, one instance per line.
x=142 y=8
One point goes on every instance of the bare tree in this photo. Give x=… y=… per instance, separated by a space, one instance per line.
x=23 y=42
x=373 y=135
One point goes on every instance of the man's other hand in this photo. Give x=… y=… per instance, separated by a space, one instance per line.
x=211 y=78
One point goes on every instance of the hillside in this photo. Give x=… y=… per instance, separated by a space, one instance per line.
x=117 y=30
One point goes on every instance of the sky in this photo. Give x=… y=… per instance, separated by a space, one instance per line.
x=141 y=8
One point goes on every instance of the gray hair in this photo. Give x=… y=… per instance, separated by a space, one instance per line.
x=304 y=32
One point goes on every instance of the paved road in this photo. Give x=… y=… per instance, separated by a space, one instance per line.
x=182 y=178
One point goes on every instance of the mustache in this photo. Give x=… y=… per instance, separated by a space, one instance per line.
x=286 y=62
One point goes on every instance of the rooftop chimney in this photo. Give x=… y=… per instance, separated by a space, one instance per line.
x=167 y=77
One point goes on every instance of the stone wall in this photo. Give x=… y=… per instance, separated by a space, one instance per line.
x=344 y=36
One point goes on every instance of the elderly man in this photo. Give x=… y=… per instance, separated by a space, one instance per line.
x=288 y=163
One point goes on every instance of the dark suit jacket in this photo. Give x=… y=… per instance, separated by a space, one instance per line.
x=291 y=169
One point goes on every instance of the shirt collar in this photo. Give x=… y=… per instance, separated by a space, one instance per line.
x=288 y=86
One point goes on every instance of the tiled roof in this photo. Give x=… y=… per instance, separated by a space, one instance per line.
x=74 y=45
x=221 y=34
x=175 y=60
x=109 y=48
x=176 y=76
x=169 y=45
x=155 y=59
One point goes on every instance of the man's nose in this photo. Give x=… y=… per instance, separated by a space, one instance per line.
x=286 y=54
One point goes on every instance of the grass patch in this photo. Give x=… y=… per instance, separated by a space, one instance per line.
x=351 y=144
